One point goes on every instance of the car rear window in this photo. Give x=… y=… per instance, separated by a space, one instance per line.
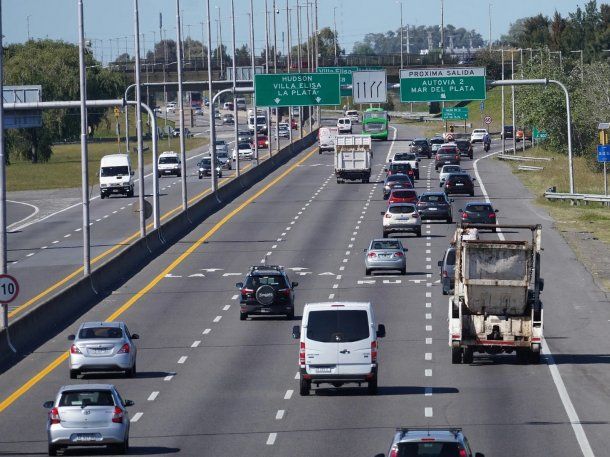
x=338 y=326
x=399 y=178
x=401 y=209
x=244 y=146
x=450 y=260
x=433 y=198
x=389 y=244
x=437 y=141
x=420 y=142
x=450 y=169
x=404 y=156
x=459 y=178
x=404 y=194
x=478 y=208
x=114 y=171
x=168 y=159
x=276 y=281
x=447 y=150
x=86 y=398
x=400 y=167
x=100 y=333
x=428 y=449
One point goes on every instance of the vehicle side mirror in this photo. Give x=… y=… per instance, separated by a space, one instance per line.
x=381 y=331
x=71 y=337
x=48 y=404
x=479 y=454
x=296 y=332
x=128 y=403
x=133 y=173
x=497 y=211
x=239 y=285
x=295 y=284
x=382 y=213
x=440 y=263
x=135 y=336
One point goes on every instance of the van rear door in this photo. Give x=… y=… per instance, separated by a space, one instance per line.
x=321 y=344
x=354 y=351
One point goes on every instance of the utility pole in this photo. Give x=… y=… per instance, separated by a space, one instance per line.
x=442 y=43
x=267 y=71
x=512 y=72
x=235 y=113
x=490 y=26
x=335 y=31
x=255 y=111
x=210 y=94
x=179 y=55
x=139 y=132
x=401 y=39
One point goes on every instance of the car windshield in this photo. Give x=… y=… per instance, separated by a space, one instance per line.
x=433 y=198
x=404 y=194
x=351 y=113
x=459 y=178
x=205 y=163
x=479 y=208
x=479 y=131
x=447 y=150
x=222 y=154
x=114 y=171
x=276 y=281
x=463 y=144
x=437 y=141
x=338 y=326
x=244 y=146
x=428 y=449
x=220 y=143
x=386 y=244
x=165 y=160
x=420 y=143
x=93 y=333
x=86 y=398
x=401 y=209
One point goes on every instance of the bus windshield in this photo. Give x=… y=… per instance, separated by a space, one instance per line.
x=375 y=123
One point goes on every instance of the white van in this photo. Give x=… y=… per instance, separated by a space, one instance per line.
x=169 y=164
x=116 y=175
x=241 y=104
x=338 y=345
x=353 y=115
x=344 y=124
x=327 y=137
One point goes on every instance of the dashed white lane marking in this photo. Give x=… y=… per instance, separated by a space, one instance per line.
x=428 y=392
x=428 y=412
x=344 y=260
x=428 y=244
x=114 y=212
x=206 y=331
x=335 y=286
x=196 y=343
x=274 y=246
x=428 y=372
x=428 y=251
x=428 y=328
x=97 y=220
x=428 y=267
x=331 y=296
x=339 y=277
x=428 y=316
x=182 y=359
x=348 y=252
x=169 y=377
x=297 y=376
x=428 y=305
x=44 y=247
x=341 y=268
x=68 y=235
x=288 y=229
x=288 y=394
x=122 y=207
x=428 y=356
x=226 y=307
x=235 y=297
x=291 y=223
x=350 y=246
x=136 y=417
x=55 y=242
x=283 y=233
x=217 y=318
x=153 y=395
x=428 y=294
x=30 y=254
x=78 y=229
x=428 y=340
x=280 y=414
x=269 y=253
x=271 y=439
x=428 y=259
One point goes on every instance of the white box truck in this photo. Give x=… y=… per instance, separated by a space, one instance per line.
x=116 y=175
x=353 y=158
x=496 y=305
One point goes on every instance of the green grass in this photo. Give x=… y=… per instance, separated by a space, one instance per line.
x=63 y=170
x=107 y=127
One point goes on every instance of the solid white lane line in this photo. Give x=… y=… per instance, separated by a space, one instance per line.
x=182 y=359
x=153 y=395
x=271 y=439
x=226 y=307
x=206 y=331
x=196 y=343
x=136 y=417
x=428 y=356
x=280 y=414
x=288 y=394
x=217 y=318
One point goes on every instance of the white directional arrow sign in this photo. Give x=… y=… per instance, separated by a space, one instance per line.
x=211 y=270
x=369 y=86
x=277 y=100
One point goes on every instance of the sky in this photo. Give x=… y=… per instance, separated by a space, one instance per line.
x=107 y=20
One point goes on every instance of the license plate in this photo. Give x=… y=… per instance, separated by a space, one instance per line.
x=384 y=256
x=167 y=171
x=80 y=437
x=115 y=191
x=99 y=351
x=432 y=209
x=265 y=310
x=323 y=370
x=459 y=184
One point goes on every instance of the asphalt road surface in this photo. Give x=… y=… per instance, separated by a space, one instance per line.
x=210 y=384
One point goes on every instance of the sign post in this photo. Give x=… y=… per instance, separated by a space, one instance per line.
x=9 y=289
x=442 y=84
x=297 y=89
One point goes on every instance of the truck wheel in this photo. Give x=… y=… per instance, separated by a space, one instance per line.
x=102 y=196
x=468 y=357
x=52 y=449
x=372 y=386
x=449 y=220
x=304 y=387
x=73 y=374
x=243 y=316
x=417 y=175
x=456 y=356
x=522 y=356
x=367 y=272
x=534 y=357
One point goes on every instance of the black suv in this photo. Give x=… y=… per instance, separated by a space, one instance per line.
x=479 y=213
x=459 y=183
x=266 y=291
x=421 y=147
x=465 y=148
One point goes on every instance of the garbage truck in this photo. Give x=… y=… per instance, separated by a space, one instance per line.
x=496 y=306
x=353 y=158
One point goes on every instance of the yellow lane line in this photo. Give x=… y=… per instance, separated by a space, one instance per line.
x=111 y=250
x=8 y=401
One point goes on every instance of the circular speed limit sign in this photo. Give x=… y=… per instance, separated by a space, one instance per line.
x=487 y=120
x=9 y=288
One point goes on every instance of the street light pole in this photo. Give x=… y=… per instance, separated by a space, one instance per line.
x=335 y=31
x=212 y=123
x=235 y=113
x=136 y=20
x=270 y=145
x=442 y=34
x=253 y=64
x=401 y=39
x=179 y=52
x=490 y=26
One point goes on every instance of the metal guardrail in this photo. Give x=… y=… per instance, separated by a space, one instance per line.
x=529 y=168
x=575 y=199
x=523 y=158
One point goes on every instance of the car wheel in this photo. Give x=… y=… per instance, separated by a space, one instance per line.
x=131 y=373
x=159 y=175
x=472 y=194
x=429 y=156
x=468 y=355
x=52 y=449
x=74 y=374
x=417 y=175
x=367 y=271
x=130 y=193
x=456 y=356
x=493 y=230
x=122 y=448
x=290 y=316
x=449 y=220
x=418 y=233
x=445 y=292
x=304 y=387
x=403 y=271
x=522 y=356
x=534 y=357
x=243 y=316
x=372 y=386
x=471 y=156
x=200 y=177
x=102 y=196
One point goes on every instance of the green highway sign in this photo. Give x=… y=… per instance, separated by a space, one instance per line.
x=345 y=74
x=297 y=89
x=442 y=84
x=453 y=114
x=539 y=134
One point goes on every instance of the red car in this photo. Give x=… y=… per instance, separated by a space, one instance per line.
x=263 y=141
x=402 y=196
x=294 y=125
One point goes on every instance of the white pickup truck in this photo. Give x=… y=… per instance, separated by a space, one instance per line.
x=353 y=158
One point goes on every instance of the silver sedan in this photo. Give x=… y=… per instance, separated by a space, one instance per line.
x=103 y=346
x=385 y=254
x=88 y=415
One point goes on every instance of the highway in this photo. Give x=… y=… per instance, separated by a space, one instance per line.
x=210 y=384
x=44 y=250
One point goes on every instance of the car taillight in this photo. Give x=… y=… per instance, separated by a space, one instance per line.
x=54 y=416
x=374 y=351
x=372 y=255
x=388 y=215
x=74 y=349
x=464 y=215
x=457 y=157
x=393 y=452
x=302 y=354
x=117 y=416
x=415 y=215
x=124 y=349
x=247 y=291
x=445 y=275
x=492 y=215
x=285 y=292
x=398 y=254
x=463 y=453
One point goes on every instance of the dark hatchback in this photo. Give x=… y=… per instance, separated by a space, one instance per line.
x=479 y=213
x=421 y=147
x=465 y=148
x=447 y=155
x=396 y=182
x=459 y=183
x=435 y=205
x=266 y=291
x=400 y=168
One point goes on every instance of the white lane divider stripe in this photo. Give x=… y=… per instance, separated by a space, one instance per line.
x=206 y=331
x=428 y=392
x=196 y=343
x=280 y=414
x=226 y=307
x=428 y=412
x=182 y=359
x=428 y=372
x=235 y=297
x=428 y=356
x=271 y=439
x=217 y=318
x=136 y=417
x=297 y=376
x=428 y=340
x=288 y=394
x=153 y=395
x=169 y=377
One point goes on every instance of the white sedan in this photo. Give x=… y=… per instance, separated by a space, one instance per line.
x=246 y=151
x=446 y=170
x=477 y=135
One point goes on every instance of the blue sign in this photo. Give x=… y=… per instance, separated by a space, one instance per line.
x=603 y=153
x=482 y=106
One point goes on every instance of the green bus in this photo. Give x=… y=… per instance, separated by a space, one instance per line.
x=375 y=123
